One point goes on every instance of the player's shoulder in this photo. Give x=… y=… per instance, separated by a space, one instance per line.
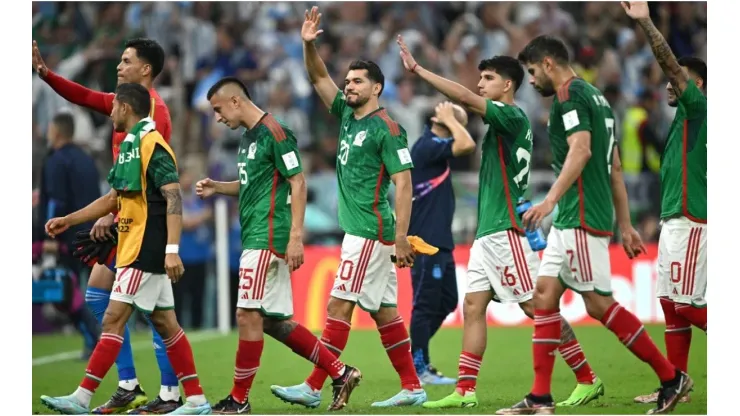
x=575 y=88
x=275 y=128
x=159 y=107
x=382 y=121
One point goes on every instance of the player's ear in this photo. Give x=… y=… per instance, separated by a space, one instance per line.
x=146 y=69
x=377 y=88
x=508 y=85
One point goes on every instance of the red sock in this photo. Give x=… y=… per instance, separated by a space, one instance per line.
x=630 y=331
x=468 y=372
x=544 y=343
x=334 y=337
x=247 y=363
x=101 y=361
x=181 y=358
x=573 y=355
x=697 y=316
x=305 y=344
x=397 y=345
x=677 y=335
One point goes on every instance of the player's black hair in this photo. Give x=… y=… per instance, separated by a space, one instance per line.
x=506 y=66
x=224 y=81
x=137 y=96
x=544 y=46
x=374 y=73
x=695 y=65
x=65 y=124
x=149 y=51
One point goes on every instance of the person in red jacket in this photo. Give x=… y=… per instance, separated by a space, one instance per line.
x=142 y=60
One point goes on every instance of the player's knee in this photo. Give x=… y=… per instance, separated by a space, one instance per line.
x=473 y=309
x=340 y=309
x=101 y=277
x=597 y=305
x=114 y=321
x=249 y=319
x=165 y=323
x=528 y=308
x=384 y=315
x=546 y=294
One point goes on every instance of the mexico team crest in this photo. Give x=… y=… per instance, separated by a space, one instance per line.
x=359 y=138
x=252 y=151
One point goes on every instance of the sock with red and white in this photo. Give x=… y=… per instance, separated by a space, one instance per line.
x=630 y=331
x=305 y=344
x=697 y=316
x=181 y=357
x=573 y=355
x=677 y=335
x=334 y=337
x=247 y=363
x=101 y=361
x=467 y=374
x=545 y=341
x=395 y=339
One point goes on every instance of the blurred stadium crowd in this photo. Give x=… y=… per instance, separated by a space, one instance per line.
x=261 y=44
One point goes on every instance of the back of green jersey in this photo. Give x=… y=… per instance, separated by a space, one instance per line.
x=504 y=172
x=579 y=106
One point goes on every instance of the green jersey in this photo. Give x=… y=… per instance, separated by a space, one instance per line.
x=579 y=106
x=504 y=171
x=683 y=165
x=370 y=150
x=268 y=154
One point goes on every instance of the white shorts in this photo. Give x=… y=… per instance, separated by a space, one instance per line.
x=579 y=259
x=145 y=291
x=366 y=274
x=264 y=284
x=682 y=261
x=504 y=263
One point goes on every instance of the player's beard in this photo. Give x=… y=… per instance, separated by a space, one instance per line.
x=358 y=101
x=545 y=87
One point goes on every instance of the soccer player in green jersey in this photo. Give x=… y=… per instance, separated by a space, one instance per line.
x=502 y=265
x=588 y=188
x=682 y=248
x=272 y=201
x=372 y=152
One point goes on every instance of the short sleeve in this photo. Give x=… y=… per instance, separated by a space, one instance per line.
x=429 y=151
x=576 y=112
x=694 y=101
x=500 y=116
x=161 y=168
x=287 y=157
x=394 y=152
x=339 y=104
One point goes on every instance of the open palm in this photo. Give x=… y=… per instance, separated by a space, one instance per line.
x=636 y=9
x=310 y=30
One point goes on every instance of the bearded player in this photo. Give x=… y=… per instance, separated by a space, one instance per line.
x=502 y=266
x=682 y=249
x=272 y=203
x=142 y=60
x=372 y=152
x=588 y=188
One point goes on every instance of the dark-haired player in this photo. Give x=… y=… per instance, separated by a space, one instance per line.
x=682 y=249
x=272 y=202
x=588 y=188
x=141 y=61
x=502 y=265
x=372 y=152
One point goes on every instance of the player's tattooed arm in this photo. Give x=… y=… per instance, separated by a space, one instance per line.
x=171 y=193
x=279 y=329
x=566 y=331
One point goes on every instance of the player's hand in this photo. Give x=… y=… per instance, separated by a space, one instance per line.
x=445 y=113
x=310 y=30
x=294 y=253
x=636 y=9
x=632 y=243
x=38 y=62
x=101 y=230
x=532 y=219
x=205 y=188
x=408 y=60
x=404 y=253
x=56 y=226
x=173 y=266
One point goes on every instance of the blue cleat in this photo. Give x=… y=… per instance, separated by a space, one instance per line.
x=432 y=376
x=67 y=405
x=301 y=394
x=192 y=409
x=404 y=398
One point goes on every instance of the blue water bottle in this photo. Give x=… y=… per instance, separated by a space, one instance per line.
x=536 y=238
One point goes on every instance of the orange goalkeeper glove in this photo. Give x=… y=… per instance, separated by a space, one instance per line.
x=419 y=246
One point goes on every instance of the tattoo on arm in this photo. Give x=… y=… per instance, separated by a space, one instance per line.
x=174 y=201
x=279 y=329
x=566 y=331
x=665 y=56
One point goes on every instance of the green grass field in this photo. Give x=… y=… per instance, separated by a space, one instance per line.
x=505 y=377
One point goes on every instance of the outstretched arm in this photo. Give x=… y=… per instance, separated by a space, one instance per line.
x=98 y=208
x=317 y=72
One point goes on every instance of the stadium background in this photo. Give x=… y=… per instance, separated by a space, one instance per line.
x=260 y=43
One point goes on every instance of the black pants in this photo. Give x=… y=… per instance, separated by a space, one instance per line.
x=434 y=286
x=191 y=285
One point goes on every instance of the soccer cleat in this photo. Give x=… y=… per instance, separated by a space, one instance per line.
x=190 y=408
x=433 y=377
x=66 y=405
x=229 y=406
x=653 y=398
x=157 y=407
x=343 y=386
x=404 y=398
x=584 y=393
x=301 y=394
x=528 y=406
x=668 y=396
x=454 y=400
x=122 y=401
